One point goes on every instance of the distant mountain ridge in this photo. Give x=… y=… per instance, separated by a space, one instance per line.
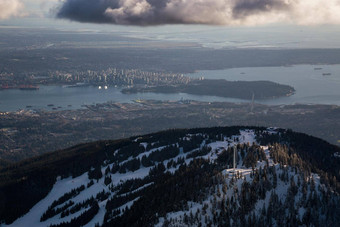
x=179 y=177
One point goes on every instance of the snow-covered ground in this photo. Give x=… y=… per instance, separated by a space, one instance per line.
x=62 y=186
x=281 y=189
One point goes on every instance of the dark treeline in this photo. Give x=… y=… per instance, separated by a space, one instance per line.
x=83 y=219
x=317 y=154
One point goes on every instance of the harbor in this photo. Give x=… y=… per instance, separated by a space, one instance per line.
x=319 y=90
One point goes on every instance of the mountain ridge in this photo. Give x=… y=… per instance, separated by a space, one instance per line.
x=167 y=155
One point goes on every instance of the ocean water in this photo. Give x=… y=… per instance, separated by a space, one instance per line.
x=76 y=97
x=312 y=87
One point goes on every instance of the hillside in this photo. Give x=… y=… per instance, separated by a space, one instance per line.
x=3 y=163
x=179 y=178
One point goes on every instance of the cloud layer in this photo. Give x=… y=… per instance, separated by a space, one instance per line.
x=217 y=12
x=9 y=8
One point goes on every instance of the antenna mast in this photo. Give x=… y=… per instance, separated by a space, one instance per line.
x=234 y=159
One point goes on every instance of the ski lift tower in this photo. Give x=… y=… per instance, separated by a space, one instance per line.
x=234 y=163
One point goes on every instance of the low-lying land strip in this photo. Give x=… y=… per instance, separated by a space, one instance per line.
x=26 y=133
x=222 y=88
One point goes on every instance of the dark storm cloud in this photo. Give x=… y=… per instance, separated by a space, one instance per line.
x=244 y=8
x=86 y=10
x=220 y=12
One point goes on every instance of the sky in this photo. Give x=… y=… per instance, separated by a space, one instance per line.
x=161 y=12
x=271 y=23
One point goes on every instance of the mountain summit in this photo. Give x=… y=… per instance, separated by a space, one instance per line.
x=179 y=178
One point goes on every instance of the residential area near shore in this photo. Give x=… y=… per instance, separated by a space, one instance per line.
x=27 y=133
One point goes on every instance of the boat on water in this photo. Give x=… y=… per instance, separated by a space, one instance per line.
x=326 y=74
x=28 y=87
x=80 y=84
x=317 y=68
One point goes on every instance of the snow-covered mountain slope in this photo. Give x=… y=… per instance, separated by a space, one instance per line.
x=188 y=179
